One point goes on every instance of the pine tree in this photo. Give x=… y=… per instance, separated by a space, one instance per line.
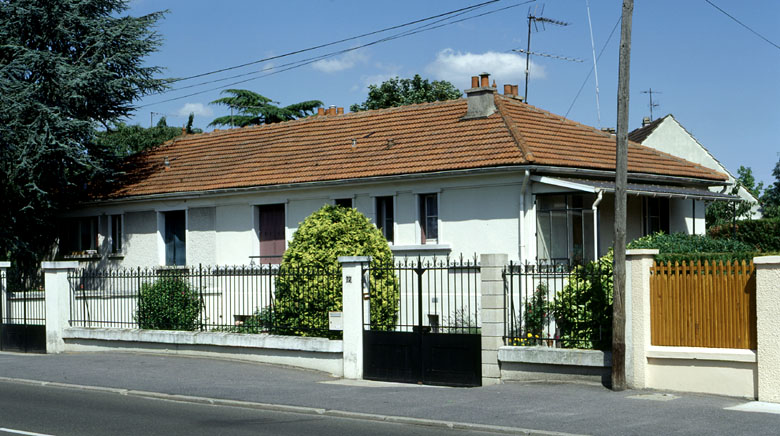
x=252 y=108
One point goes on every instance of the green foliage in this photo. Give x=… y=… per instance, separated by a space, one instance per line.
x=771 y=198
x=723 y=212
x=761 y=235
x=253 y=109
x=679 y=246
x=536 y=316
x=168 y=304
x=583 y=308
x=401 y=92
x=261 y=321
x=320 y=239
x=67 y=66
x=123 y=140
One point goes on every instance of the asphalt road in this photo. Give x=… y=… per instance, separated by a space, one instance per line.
x=41 y=410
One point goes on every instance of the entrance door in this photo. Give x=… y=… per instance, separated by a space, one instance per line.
x=436 y=337
x=271 y=233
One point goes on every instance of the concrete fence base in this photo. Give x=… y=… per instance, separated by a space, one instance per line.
x=555 y=364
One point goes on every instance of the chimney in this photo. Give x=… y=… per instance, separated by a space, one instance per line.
x=340 y=111
x=320 y=111
x=481 y=103
x=609 y=130
x=645 y=121
x=332 y=110
x=509 y=90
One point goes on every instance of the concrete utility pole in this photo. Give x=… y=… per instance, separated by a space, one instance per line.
x=621 y=179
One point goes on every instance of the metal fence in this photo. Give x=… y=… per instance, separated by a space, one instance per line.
x=22 y=298
x=438 y=295
x=239 y=299
x=558 y=305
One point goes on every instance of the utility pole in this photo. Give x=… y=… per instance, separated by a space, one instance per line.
x=621 y=179
x=652 y=104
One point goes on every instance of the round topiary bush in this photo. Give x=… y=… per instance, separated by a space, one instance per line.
x=309 y=282
x=168 y=304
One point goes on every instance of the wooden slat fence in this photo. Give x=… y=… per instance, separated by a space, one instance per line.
x=703 y=305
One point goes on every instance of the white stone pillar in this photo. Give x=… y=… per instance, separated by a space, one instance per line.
x=352 y=306
x=57 y=293
x=637 y=303
x=4 y=302
x=768 y=327
x=492 y=314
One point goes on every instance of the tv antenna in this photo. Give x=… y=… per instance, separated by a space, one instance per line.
x=652 y=103
x=536 y=20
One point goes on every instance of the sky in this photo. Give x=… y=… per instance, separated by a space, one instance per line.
x=720 y=80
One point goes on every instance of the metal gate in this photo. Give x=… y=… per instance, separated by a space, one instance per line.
x=421 y=322
x=22 y=313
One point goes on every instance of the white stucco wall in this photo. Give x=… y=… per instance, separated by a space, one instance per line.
x=141 y=245
x=201 y=236
x=235 y=234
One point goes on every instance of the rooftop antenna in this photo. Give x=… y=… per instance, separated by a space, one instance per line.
x=151 y=117
x=536 y=19
x=652 y=103
x=595 y=68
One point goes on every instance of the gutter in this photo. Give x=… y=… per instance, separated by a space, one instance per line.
x=378 y=179
x=595 y=209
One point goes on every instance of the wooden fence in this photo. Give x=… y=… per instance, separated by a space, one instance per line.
x=703 y=305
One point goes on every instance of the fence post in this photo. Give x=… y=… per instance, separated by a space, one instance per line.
x=4 y=266
x=492 y=314
x=637 y=304
x=768 y=327
x=352 y=315
x=57 y=295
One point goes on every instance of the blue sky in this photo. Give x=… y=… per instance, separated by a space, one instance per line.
x=716 y=77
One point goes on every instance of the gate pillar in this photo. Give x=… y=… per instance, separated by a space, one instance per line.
x=768 y=328
x=3 y=286
x=492 y=314
x=57 y=294
x=637 y=305
x=352 y=307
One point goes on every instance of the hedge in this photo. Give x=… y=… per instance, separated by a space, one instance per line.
x=761 y=234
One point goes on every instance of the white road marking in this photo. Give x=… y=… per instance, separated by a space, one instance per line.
x=757 y=406
x=28 y=433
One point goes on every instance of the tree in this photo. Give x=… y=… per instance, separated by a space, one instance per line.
x=400 y=92
x=122 y=140
x=328 y=233
x=254 y=109
x=65 y=67
x=771 y=198
x=721 y=212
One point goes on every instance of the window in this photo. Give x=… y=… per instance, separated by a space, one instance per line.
x=116 y=233
x=271 y=232
x=79 y=235
x=384 y=216
x=174 y=238
x=564 y=228
x=343 y=202
x=429 y=218
x=656 y=215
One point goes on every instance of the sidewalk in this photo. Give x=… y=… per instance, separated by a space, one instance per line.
x=567 y=408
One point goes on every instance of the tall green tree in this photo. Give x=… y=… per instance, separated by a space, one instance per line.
x=771 y=198
x=252 y=108
x=401 y=92
x=721 y=212
x=121 y=140
x=65 y=67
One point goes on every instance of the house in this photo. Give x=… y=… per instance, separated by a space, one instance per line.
x=485 y=174
x=668 y=135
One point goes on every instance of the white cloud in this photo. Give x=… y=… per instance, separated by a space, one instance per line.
x=341 y=63
x=457 y=67
x=199 y=109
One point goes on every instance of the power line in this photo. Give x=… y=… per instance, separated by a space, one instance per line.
x=351 y=38
x=742 y=24
x=307 y=61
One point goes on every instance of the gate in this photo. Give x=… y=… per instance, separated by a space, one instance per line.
x=22 y=313
x=421 y=322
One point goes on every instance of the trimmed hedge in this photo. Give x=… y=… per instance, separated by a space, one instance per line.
x=678 y=247
x=762 y=234
x=169 y=304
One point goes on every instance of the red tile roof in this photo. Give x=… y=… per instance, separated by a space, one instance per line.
x=405 y=140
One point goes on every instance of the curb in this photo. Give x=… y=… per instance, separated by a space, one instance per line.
x=452 y=425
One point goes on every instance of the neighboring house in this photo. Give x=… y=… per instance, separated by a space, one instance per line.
x=484 y=174
x=668 y=135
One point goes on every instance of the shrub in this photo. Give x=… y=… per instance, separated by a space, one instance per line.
x=536 y=315
x=261 y=321
x=583 y=308
x=168 y=304
x=678 y=247
x=322 y=237
x=762 y=235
